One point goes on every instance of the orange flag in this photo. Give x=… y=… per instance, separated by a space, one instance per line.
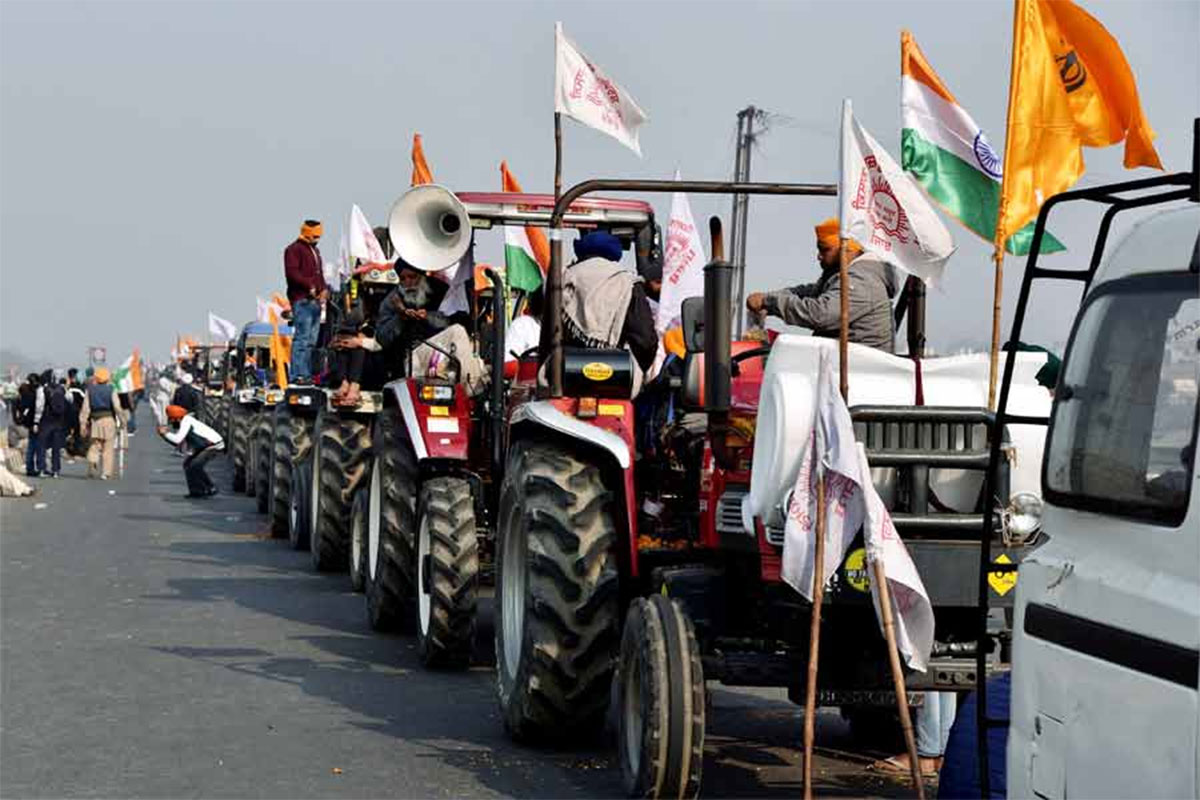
x=135 y=370
x=281 y=301
x=1071 y=86
x=281 y=351
x=537 y=237
x=421 y=173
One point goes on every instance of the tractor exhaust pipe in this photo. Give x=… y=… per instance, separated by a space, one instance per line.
x=718 y=333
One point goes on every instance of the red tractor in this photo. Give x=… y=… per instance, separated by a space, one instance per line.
x=432 y=491
x=628 y=571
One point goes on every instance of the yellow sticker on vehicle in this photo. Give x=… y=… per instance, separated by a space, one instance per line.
x=611 y=410
x=1002 y=582
x=857 y=574
x=597 y=371
x=439 y=411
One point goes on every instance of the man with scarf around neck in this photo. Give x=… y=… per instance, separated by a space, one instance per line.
x=604 y=305
x=817 y=306
x=306 y=290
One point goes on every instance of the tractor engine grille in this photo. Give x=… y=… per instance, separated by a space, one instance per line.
x=729 y=511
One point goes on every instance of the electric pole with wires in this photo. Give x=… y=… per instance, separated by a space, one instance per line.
x=747 y=118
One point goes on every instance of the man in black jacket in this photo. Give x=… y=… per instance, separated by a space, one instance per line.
x=52 y=428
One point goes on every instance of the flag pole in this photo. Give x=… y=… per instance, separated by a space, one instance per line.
x=889 y=632
x=997 y=297
x=552 y=333
x=814 y=641
x=844 y=327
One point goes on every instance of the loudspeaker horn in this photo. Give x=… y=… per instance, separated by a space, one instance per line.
x=429 y=227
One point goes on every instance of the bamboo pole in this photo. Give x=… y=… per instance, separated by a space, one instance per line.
x=814 y=642
x=889 y=632
x=551 y=340
x=844 y=328
x=997 y=299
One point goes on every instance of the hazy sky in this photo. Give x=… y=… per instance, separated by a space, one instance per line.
x=156 y=157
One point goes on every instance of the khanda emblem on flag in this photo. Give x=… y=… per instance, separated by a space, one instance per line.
x=875 y=196
x=1071 y=70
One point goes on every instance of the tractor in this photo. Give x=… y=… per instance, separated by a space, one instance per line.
x=633 y=565
x=252 y=390
x=433 y=486
x=329 y=449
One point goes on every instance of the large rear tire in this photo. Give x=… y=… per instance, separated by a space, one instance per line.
x=447 y=573
x=287 y=433
x=358 y=538
x=391 y=522
x=660 y=701
x=262 y=460
x=557 y=590
x=239 y=430
x=341 y=455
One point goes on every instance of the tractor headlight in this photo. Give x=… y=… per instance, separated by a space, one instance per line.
x=1022 y=517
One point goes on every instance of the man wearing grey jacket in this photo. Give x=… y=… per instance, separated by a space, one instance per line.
x=817 y=305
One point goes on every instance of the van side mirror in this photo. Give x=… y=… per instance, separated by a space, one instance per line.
x=692 y=318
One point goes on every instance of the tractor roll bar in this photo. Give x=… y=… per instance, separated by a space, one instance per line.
x=551 y=341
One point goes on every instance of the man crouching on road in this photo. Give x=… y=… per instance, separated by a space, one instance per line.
x=204 y=442
x=818 y=305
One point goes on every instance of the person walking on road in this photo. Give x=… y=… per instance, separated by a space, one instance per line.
x=52 y=429
x=29 y=412
x=103 y=419
x=204 y=442
x=75 y=394
x=306 y=291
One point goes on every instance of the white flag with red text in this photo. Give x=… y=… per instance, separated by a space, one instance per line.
x=584 y=93
x=830 y=456
x=912 y=611
x=362 y=242
x=683 y=263
x=884 y=210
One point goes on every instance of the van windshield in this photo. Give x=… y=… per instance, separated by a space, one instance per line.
x=1123 y=431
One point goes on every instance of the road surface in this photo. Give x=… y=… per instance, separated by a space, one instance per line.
x=155 y=646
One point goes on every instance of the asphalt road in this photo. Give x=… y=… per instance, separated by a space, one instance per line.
x=154 y=646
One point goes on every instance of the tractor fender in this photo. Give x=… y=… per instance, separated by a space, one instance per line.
x=546 y=415
x=434 y=436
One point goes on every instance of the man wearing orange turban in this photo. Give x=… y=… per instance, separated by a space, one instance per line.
x=817 y=306
x=306 y=290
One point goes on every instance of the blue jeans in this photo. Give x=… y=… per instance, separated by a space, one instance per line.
x=35 y=454
x=306 y=323
x=934 y=720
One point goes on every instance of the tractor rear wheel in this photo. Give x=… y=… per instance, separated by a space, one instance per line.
x=239 y=430
x=659 y=690
x=447 y=573
x=358 y=535
x=341 y=455
x=391 y=519
x=288 y=433
x=262 y=460
x=557 y=594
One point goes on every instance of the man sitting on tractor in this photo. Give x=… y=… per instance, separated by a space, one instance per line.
x=818 y=305
x=604 y=305
x=411 y=325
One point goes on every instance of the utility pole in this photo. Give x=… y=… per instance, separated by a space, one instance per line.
x=741 y=204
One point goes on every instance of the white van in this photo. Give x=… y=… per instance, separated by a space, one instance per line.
x=1106 y=650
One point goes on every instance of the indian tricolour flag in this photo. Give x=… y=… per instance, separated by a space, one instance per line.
x=526 y=251
x=128 y=377
x=949 y=156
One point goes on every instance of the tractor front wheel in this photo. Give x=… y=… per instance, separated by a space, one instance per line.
x=391 y=518
x=447 y=573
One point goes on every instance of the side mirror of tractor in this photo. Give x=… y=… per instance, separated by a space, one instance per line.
x=692 y=318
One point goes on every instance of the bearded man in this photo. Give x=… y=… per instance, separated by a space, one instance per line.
x=411 y=327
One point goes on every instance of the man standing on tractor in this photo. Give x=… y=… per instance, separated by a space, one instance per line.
x=306 y=290
x=411 y=327
x=818 y=305
x=604 y=305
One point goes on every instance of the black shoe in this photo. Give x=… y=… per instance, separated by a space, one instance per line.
x=211 y=492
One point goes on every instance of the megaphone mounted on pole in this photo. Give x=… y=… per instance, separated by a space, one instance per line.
x=429 y=228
